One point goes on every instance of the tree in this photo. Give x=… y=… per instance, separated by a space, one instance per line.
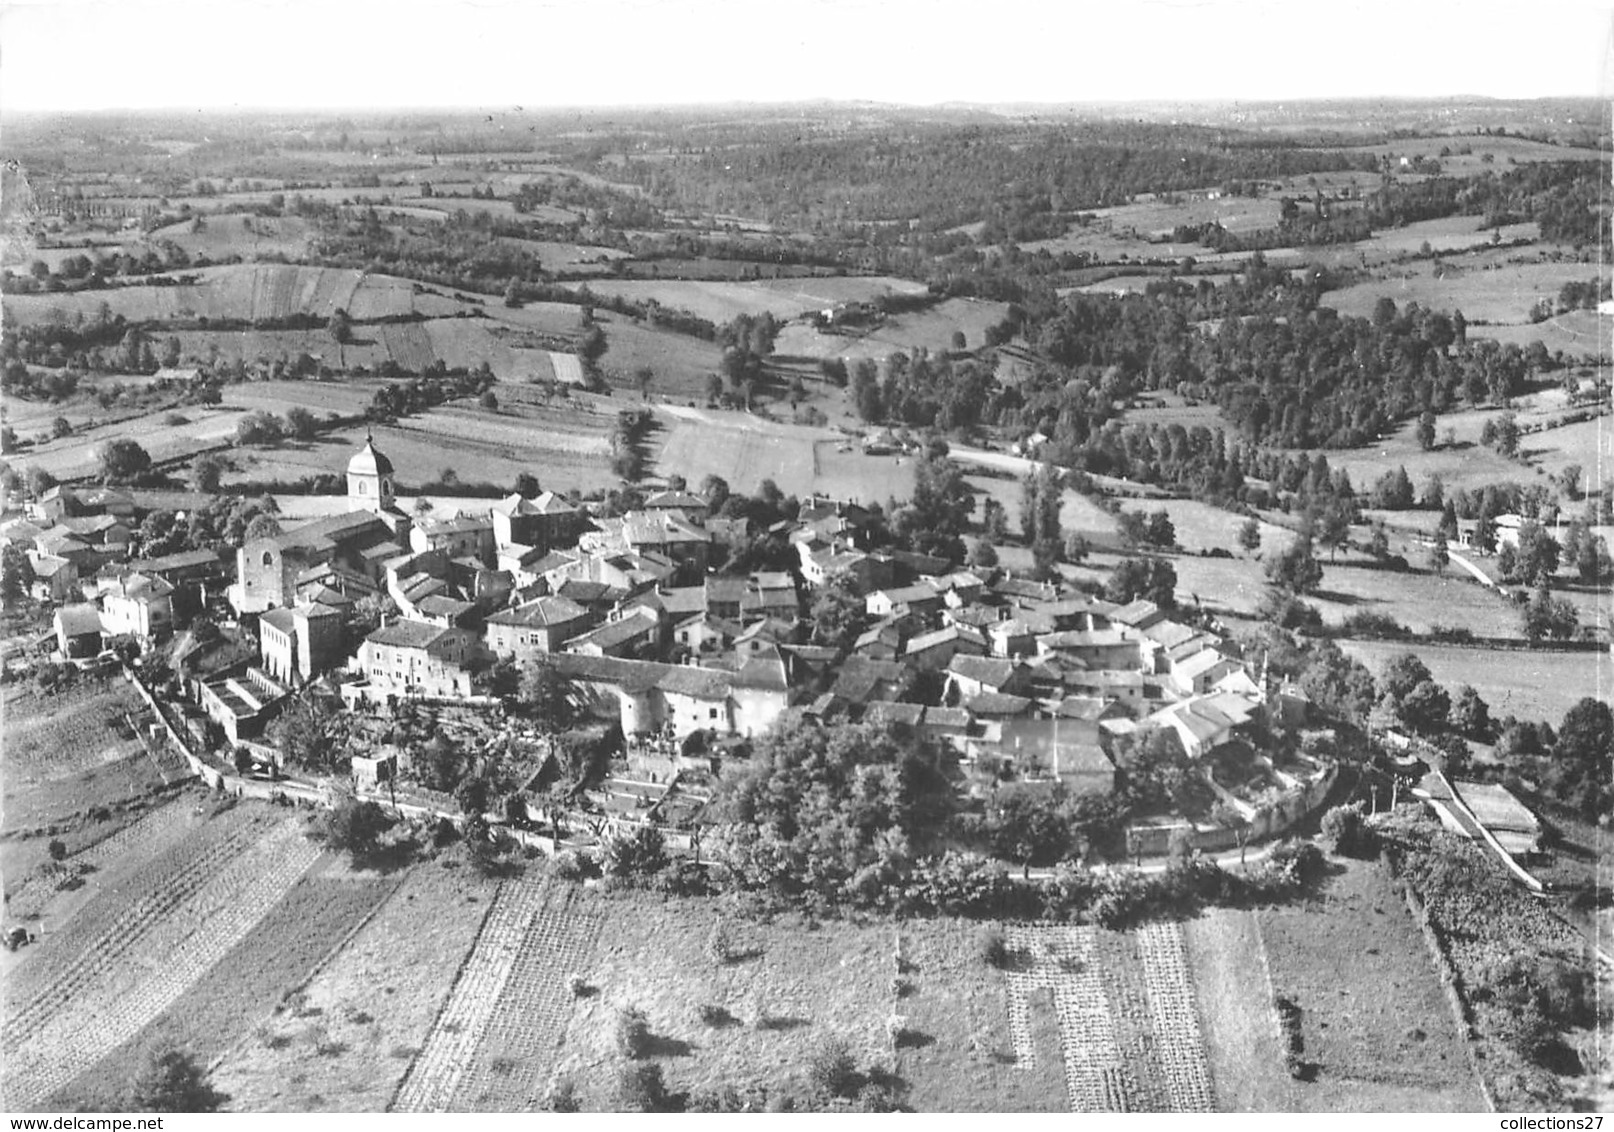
x=173 y=1082
x=1470 y=715
x=1154 y=579
x=16 y=574
x=1404 y=673
x=123 y=461
x=1426 y=708
x=526 y=485
x=1250 y=535
x=512 y=294
x=1296 y=569
x=1569 y=477
x=261 y=428
x=1439 y=556
x=340 y=327
x=489 y=401
x=1027 y=825
x=207 y=473
x=1426 y=430
x=354 y=827
x=644 y=377
x=1547 y=617
x=715 y=490
x=838 y=612
x=1160 y=531
x=1592 y=560
x=1581 y=771
x=1536 y=558
x=549 y=696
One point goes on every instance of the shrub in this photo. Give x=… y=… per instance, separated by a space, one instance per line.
x=993 y=947
x=641 y=1088
x=562 y=1097
x=1346 y=833
x=632 y=1033
x=57 y=849
x=712 y=1014
x=1297 y=863
x=830 y=1067
x=580 y=986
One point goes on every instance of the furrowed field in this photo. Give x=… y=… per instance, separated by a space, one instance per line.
x=308 y=986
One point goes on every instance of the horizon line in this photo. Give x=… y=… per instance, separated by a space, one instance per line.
x=959 y=104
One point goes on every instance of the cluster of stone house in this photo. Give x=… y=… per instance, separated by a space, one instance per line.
x=1023 y=679
x=78 y=545
x=1035 y=682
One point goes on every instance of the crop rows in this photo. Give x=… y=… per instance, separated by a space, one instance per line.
x=119 y=999
x=529 y=1021
x=1128 y=993
x=93 y=941
x=432 y=1079
x=1176 y=1023
x=152 y=834
x=1061 y=959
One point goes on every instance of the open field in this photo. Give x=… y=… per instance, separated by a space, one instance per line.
x=785 y=298
x=70 y=751
x=745 y=450
x=1502 y=149
x=1496 y=293
x=1418 y=600
x=353 y=1031
x=319 y=397
x=237 y=234
x=1448 y=235
x=1577 y=334
x=1383 y=1038
x=565 y=446
x=930 y=329
x=1536 y=685
x=76 y=455
x=248 y=985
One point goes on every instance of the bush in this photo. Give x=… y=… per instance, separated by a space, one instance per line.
x=712 y=1014
x=1346 y=833
x=1298 y=863
x=57 y=849
x=993 y=947
x=632 y=1033
x=641 y=1088
x=830 y=1067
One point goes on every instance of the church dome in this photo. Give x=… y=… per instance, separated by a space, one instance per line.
x=368 y=462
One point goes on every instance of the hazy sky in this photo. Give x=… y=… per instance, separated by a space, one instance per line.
x=93 y=54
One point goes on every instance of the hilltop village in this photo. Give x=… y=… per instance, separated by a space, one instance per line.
x=674 y=663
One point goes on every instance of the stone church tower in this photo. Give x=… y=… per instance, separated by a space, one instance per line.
x=369 y=480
